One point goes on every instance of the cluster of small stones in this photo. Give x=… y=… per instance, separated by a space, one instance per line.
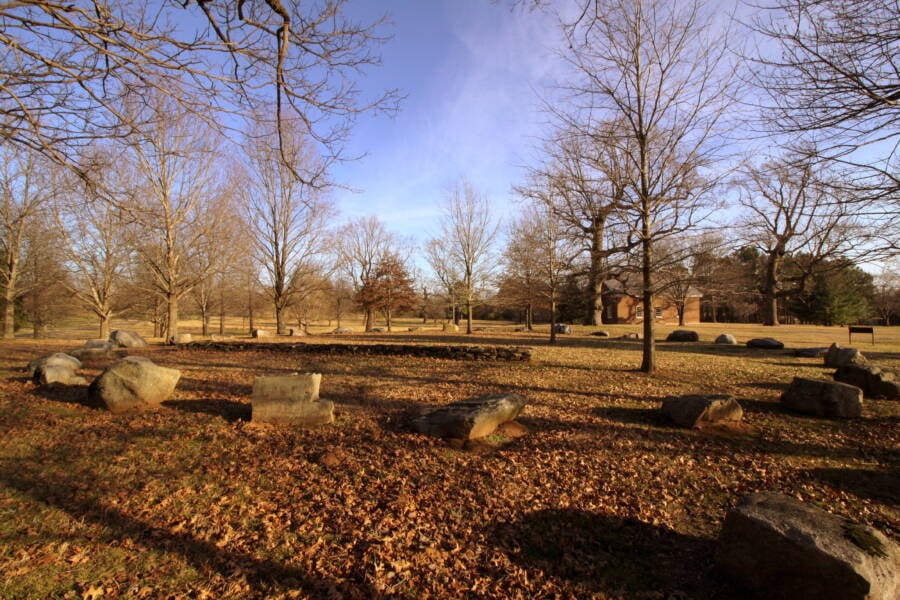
x=486 y=353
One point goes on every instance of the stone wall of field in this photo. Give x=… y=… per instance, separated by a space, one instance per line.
x=487 y=353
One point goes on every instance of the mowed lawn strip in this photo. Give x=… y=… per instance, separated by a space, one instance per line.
x=603 y=497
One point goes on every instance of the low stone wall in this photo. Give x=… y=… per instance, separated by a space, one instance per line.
x=488 y=353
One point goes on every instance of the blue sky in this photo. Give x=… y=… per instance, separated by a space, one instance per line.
x=472 y=72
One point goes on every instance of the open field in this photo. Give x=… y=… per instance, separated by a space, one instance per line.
x=603 y=498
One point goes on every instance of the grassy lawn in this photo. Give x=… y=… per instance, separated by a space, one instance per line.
x=603 y=498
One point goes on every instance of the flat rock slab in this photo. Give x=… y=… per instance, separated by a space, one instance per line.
x=181 y=338
x=810 y=352
x=785 y=549
x=57 y=359
x=133 y=384
x=471 y=419
x=260 y=333
x=683 y=335
x=451 y=327
x=822 y=398
x=726 y=338
x=601 y=333
x=291 y=400
x=93 y=355
x=695 y=410
x=123 y=338
x=765 y=343
x=837 y=357
x=873 y=381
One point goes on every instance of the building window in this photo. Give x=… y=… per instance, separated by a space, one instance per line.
x=639 y=312
x=658 y=311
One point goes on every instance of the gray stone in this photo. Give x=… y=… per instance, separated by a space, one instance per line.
x=296 y=332
x=632 y=336
x=810 y=352
x=57 y=359
x=601 y=333
x=291 y=399
x=133 y=384
x=726 y=338
x=765 y=343
x=342 y=330
x=683 y=335
x=97 y=354
x=260 y=333
x=181 y=338
x=471 y=419
x=378 y=330
x=122 y=338
x=563 y=328
x=836 y=356
x=697 y=409
x=822 y=398
x=872 y=380
x=784 y=549
x=99 y=344
x=62 y=374
x=451 y=327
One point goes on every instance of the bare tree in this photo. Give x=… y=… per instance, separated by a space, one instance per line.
x=554 y=259
x=791 y=211
x=835 y=77
x=653 y=67
x=521 y=283
x=27 y=185
x=361 y=244
x=467 y=232
x=287 y=217
x=44 y=277
x=67 y=65
x=171 y=204
x=446 y=273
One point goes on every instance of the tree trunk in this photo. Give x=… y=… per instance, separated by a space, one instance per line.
x=104 y=327
x=370 y=318
x=648 y=361
x=251 y=324
x=221 y=310
x=597 y=273
x=9 y=312
x=529 y=317
x=387 y=317
x=680 y=309
x=715 y=317
x=279 y=320
x=172 y=325
x=205 y=317
x=770 y=290
x=468 y=315
x=552 y=318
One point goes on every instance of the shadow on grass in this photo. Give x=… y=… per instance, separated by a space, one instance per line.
x=264 y=576
x=230 y=410
x=69 y=394
x=652 y=416
x=866 y=483
x=603 y=553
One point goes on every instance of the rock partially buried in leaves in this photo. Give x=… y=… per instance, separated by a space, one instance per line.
x=106 y=344
x=62 y=374
x=810 y=352
x=291 y=400
x=123 y=338
x=181 y=338
x=260 y=334
x=838 y=357
x=57 y=359
x=822 y=398
x=471 y=419
x=695 y=410
x=683 y=335
x=726 y=338
x=785 y=549
x=563 y=328
x=451 y=327
x=133 y=384
x=93 y=355
x=765 y=343
x=601 y=333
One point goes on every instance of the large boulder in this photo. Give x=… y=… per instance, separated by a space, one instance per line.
x=451 y=327
x=837 y=357
x=57 y=359
x=601 y=333
x=696 y=410
x=123 y=338
x=726 y=338
x=563 y=328
x=822 y=398
x=95 y=355
x=471 y=419
x=106 y=344
x=683 y=335
x=58 y=373
x=872 y=380
x=765 y=343
x=291 y=399
x=260 y=334
x=181 y=338
x=784 y=549
x=133 y=384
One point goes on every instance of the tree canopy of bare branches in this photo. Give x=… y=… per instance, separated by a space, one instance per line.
x=361 y=244
x=66 y=66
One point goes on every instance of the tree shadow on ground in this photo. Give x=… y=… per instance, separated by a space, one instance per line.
x=765 y=385
x=264 y=576
x=230 y=410
x=68 y=394
x=650 y=416
x=882 y=486
x=603 y=553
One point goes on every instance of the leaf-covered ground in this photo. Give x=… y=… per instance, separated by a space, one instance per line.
x=602 y=498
